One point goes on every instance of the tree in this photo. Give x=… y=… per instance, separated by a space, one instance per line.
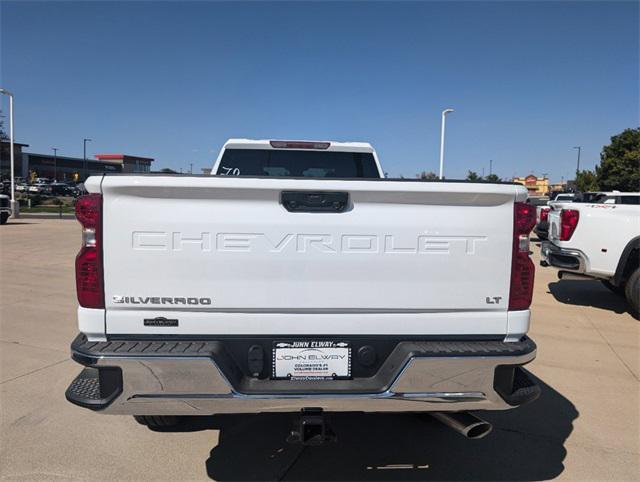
x=427 y=176
x=473 y=176
x=586 y=181
x=492 y=178
x=619 y=167
x=167 y=170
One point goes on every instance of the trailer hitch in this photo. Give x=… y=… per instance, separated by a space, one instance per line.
x=311 y=427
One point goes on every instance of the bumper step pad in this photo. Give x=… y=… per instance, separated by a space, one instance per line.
x=95 y=389
x=188 y=348
x=515 y=386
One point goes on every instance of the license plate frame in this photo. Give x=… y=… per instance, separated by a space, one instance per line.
x=311 y=360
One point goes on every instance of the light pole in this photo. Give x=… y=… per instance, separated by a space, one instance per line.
x=55 y=163
x=578 y=166
x=84 y=156
x=15 y=208
x=444 y=114
x=490 y=166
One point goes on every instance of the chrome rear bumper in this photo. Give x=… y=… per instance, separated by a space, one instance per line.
x=563 y=258
x=417 y=376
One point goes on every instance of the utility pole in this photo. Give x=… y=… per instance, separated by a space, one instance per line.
x=191 y=168
x=444 y=114
x=55 y=163
x=490 y=166
x=578 y=166
x=84 y=157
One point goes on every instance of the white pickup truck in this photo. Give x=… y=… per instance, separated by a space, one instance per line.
x=297 y=278
x=5 y=208
x=598 y=241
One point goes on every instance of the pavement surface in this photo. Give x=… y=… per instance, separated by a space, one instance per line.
x=585 y=426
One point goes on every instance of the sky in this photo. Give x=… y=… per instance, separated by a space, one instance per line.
x=174 y=80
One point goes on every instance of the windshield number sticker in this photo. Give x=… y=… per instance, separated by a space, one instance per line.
x=230 y=171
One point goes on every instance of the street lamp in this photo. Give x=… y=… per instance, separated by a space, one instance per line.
x=55 y=163
x=84 y=156
x=444 y=113
x=15 y=208
x=578 y=167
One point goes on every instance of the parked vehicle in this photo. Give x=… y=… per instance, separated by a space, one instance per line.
x=298 y=278
x=598 y=241
x=538 y=200
x=63 y=189
x=588 y=197
x=553 y=195
x=5 y=208
x=562 y=198
x=541 y=203
x=542 y=225
x=41 y=188
x=619 y=198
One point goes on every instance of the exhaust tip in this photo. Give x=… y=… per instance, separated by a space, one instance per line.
x=478 y=430
x=464 y=423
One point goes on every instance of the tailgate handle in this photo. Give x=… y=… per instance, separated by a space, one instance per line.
x=314 y=201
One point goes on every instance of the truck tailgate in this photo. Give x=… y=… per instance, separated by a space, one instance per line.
x=223 y=255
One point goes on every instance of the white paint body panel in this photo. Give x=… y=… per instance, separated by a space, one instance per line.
x=602 y=233
x=405 y=258
x=91 y=323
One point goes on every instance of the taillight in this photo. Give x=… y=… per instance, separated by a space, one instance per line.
x=89 y=271
x=568 y=222
x=522 y=269
x=544 y=214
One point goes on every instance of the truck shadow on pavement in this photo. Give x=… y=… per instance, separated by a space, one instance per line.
x=588 y=293
x=526 y=444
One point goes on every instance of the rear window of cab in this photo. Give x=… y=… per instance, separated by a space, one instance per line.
x=297 y=163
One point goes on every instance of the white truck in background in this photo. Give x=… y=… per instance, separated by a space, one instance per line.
x=598 y=241
x=297 y=279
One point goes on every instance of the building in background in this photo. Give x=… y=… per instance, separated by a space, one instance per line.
x=558 y=187
x=537 y=186
x=5 y=158
x=64 y=168
x=129 y=164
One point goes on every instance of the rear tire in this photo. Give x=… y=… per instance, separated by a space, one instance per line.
x=619 y=290
x=3 y=218
x=157 y=421
x=632 y=293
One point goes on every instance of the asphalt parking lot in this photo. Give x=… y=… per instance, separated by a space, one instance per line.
x=584 y=426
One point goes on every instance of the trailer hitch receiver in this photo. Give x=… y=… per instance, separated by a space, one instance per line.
x=311 y=428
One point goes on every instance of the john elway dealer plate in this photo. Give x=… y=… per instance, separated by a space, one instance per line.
x=311 y=360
